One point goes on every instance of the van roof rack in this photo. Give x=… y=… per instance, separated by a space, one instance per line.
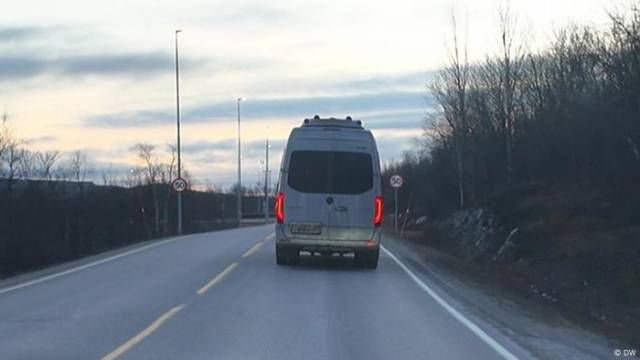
x=347 y=122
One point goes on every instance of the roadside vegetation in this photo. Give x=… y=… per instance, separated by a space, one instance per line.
x=531 y=165
x=51 y=211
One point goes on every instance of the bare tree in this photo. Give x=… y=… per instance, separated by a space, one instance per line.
x=134 y=177
x=510 y=67
x=27 y=164
x=167 y=177
x=186 y=175
x=46 y=161
x=79 y=166
x=168 y=168
x=10 y=151
x=209 y=186
x=571 y=109
x=4 y=137
x=450 y=89
x=500 y=78
x=12 y=155
x=109 y=178
x=152 y=168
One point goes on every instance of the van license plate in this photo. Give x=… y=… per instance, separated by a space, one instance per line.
x=307 y=229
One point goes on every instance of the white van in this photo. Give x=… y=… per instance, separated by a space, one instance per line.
x=329 y=192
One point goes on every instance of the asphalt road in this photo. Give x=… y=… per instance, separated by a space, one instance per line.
x=220 y=295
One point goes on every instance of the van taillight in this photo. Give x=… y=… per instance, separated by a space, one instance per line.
x=378 y=211
x=280 y=208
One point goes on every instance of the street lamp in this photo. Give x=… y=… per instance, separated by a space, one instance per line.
x=239 y=190
x=179 y=226
x=266 y=179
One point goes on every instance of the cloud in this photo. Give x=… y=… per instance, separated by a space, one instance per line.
x=22 y=61
x=337 y=105
x=42 y=139
x=20 y=67
x=8 y=34
x=392 y=148
x=249 y=148
x=411 y=80
x=409 y=119
x=129 y=65
x=203 y=146
x=132 y=119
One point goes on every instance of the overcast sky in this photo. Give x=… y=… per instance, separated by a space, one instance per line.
x=99 y=76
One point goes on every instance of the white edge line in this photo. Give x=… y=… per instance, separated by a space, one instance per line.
x=85 y=266
x=270 y=236
x=465 y=321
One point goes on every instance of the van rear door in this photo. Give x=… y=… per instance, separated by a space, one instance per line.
x=352 y=190
x=307 y=182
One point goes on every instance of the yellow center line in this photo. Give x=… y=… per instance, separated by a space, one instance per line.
x=218 y=278
x=252 y=250
x=143 y=334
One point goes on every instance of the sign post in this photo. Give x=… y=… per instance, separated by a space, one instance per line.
x=179 y=185
x=396 y=182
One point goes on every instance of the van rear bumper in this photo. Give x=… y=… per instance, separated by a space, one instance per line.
x=326 y=244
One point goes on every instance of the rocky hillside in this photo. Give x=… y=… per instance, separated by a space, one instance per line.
x=573 y=246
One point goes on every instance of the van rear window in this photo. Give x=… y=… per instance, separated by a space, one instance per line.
x=308 y=171
x=352 y=172
x=330 y=172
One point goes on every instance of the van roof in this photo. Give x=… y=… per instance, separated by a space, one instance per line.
x=317 y=121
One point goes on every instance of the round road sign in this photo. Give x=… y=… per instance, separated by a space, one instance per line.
x=179 y=184
x=396 y=181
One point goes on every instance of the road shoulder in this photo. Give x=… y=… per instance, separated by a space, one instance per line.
x=543 y=332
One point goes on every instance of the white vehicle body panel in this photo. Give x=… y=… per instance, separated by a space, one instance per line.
x=338 y=215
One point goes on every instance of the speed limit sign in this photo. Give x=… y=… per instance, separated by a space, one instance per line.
x=179 y=184
x=396 y=181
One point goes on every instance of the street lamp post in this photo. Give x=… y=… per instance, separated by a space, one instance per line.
x=266 y=181
x=239 y=189
x=179 y=195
